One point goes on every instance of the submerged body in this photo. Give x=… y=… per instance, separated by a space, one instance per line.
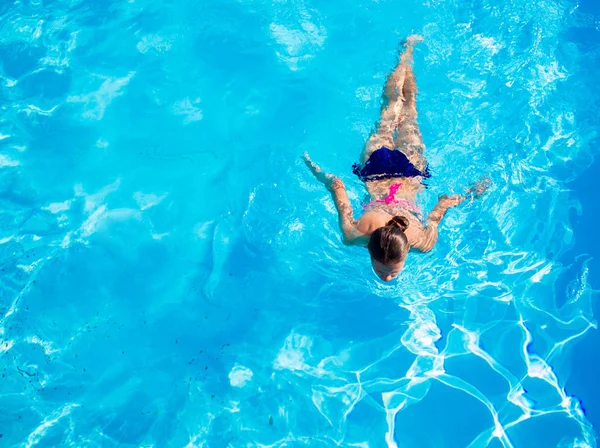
x=393 y=167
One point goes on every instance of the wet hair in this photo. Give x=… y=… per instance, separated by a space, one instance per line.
x=389 y=245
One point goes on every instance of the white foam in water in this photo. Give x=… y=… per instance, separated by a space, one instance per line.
x=300 y=37
x=240 y=376
x=7 y=161
x=96 y=102
x=57 y=207
x=188 y=109
x=155 y=42
x=147 y=200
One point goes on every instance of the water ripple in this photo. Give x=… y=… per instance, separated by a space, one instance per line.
x=172 y=275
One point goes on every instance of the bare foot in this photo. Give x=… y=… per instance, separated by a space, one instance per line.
x=408 y=44
x=412 y=40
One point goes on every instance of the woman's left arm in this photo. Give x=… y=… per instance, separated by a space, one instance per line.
x=430 y=232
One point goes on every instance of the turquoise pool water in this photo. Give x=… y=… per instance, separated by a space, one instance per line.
x=171 y=275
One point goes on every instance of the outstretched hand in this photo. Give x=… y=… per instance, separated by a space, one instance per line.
x=329 y=180
x=474 y=192
x=450 y=201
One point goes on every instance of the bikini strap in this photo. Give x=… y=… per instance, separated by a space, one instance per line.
x=391 y=197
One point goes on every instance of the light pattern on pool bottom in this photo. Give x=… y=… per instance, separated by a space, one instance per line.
x=173 y=276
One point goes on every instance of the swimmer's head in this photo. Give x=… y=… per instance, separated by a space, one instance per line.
x=388 y=247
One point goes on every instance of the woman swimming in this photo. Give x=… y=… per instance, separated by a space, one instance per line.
x=392 y=167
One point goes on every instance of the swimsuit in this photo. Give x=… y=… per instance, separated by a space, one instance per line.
x=391 y=203
x=385 y=163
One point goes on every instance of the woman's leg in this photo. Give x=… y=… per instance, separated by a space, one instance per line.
x=397 y=126
x=407 y=137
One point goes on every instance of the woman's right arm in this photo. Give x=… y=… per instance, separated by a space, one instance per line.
x=351 y=235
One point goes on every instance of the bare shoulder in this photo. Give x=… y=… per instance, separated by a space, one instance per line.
x=371 y=220
x=424 y=238
x=357 y=239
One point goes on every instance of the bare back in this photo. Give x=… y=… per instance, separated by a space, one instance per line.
x=379 y=214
